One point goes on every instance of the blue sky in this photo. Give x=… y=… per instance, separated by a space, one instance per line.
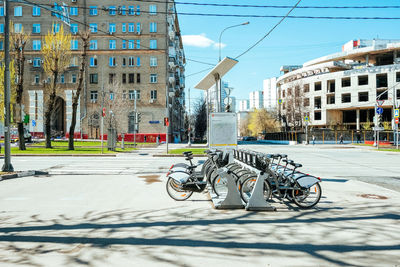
x=293 y=42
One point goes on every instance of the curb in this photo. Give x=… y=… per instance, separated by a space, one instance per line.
x=62 y=155
x=22 y=174
x=176 y=155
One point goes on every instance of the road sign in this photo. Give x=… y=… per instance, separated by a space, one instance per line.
x=279 y=101
x=396 y=120
x=380 y=102
x=396 y=113
x=379 y=110
x=228 y=101
x=306 y=118
x=33 y=123
x=378 y=128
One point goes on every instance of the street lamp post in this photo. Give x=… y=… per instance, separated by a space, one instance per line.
x=219 y=98
x=7 y=167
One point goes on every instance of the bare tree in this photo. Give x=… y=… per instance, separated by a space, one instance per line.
x=295 y=106
x=200 y=115
x=56 y=57
x=18 y=43
x=85 y=37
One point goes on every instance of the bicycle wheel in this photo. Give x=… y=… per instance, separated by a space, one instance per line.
x=247 y=188
x=175 y=192
x=307 y=198
x=219 y=185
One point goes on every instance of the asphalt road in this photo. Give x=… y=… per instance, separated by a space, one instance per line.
x=115 y=212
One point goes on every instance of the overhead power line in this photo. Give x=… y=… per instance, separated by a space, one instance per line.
x=255 y=15
x=271 y=30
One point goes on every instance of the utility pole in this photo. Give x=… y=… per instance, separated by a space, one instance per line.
x=102 y=114
x=136 y=122
x=189 y=129
x=7 y=167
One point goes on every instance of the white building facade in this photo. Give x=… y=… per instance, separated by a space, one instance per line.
x=270 y=93
x=342 y=88
x=256 y=99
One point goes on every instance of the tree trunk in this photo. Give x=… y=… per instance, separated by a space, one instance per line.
x=47 y=130
x=85 y=39
x=21 y=136
x=49 y=111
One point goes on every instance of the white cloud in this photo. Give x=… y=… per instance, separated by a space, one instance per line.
x=200 y=40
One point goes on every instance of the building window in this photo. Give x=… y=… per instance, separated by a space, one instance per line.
x=36 y=28
x=36 y=62
x=131 y=27
x=93 y=62
x=74 y=45
x=111 y=27
x=131 y=44
x=138 y=10
x=111 y=95
x=138 y=61
x=73 y=78
x=35 y=11
x=93 y=45
x=153 y=94
x=306 y=102
x=131 y=78
x=346 y=82
x=153 y=78
x=381 y=80
x=74 y=62
x=123 y=44
x=153 y=44
x=306 y=88
x=346 y=98
x=153 y=9
x=112 y=11
x=37 y=79
x=317 y=86
x=330 y=100
x=94 y=78
x=138 y=28
x=124 y=61
x=122 y=10
x=131 y=61
x=73 y=11
x=112 y=62
x=1 y=11
x=317 y=115
x=111 y=78
x=93 y=27
x=112 y=44
x=398 y=93
x=397 y=77
x=132 y=94
x=363 y=97
x=317 y=102
x=383 y=94
x=18 y=11
x=123 y=28
x=137 y=44
x=331 y=86
x=74 y=28
x=131 y=10
x=56 y=27
x=93 y=11
x=2 y=28
x=123 y=77
x=17 y=27
x=62 y=78
x=153 y=26
x=153 y=61
x=93 y=96
x=137 y=77
x=36 y=45
x=363 y=80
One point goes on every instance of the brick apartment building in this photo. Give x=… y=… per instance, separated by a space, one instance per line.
x=134 y=46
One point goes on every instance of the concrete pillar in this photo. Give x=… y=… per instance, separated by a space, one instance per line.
x=358 y=119
x=367 y=59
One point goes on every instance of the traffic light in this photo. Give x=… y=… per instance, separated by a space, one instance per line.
x=104 y=112
x=166 y=121
x=138 y=117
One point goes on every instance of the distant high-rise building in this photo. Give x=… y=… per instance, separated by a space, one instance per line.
x=244 y=105
x=213 y=96
x=256 y=100
x=270 y=93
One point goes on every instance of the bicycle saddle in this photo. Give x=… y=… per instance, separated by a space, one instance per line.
x=187 y=153
x=296 y=165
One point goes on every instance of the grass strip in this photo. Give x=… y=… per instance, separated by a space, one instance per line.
x=64 y=150
x=195 y=151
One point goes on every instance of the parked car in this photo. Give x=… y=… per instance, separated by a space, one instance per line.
x=249 y=138
x=14 y=135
